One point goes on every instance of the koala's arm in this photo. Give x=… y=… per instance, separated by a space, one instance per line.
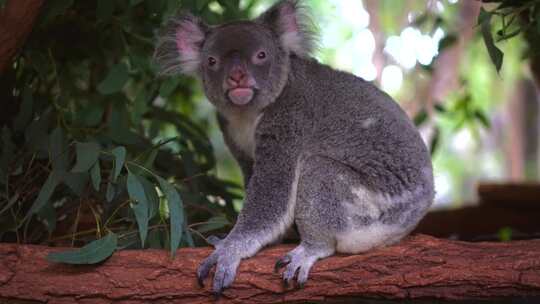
x=268 y=208
x=266 y=214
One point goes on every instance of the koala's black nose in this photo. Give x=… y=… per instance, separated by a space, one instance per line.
x=236 y=77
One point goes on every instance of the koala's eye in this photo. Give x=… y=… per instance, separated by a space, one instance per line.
x=261 y=55
x=212 y=61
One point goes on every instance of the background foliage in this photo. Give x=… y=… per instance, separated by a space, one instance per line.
x=100 y=152
x=100 y=146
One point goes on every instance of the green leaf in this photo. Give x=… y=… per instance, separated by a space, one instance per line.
x=119 y=126
x=95 y=174
x=214 y=223
x=45 y=193
x=483 y=16
x=168 y=86
x=420 y=117
x=115 y=80
x=176 y=212
x=435 y=141
x=105 y=9
x=119 y=159
x=505 y=234
x=151 y=196
x=24 y=116
x=439 y=108
x=111 y=192
x=481 y=116
x=90 y=115
x=87 y=155
x=77 y=182
x=58 y=150
x=495 y=53
x=10 y=203
x=92 y=253
x=189 y=238
x=140 y=208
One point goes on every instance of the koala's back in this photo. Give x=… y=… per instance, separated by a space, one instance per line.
x=342 y=117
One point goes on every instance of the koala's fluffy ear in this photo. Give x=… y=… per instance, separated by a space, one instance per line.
x=179 y=44
x=290 y=21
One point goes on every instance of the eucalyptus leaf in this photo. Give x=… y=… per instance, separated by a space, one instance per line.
x=176 y=212
x=77 y=182
x=95 y=174
x=214 y=223
x=168 y=86
x=87 y=155
x=151 y=196
x=10 y=203
x=111 y=192
x=58 y=150
x=495 y=54
x=420 y=117
x=45 y=192
x=119 y=159
x=92 y=253
x=140 y=208
x=115 y=80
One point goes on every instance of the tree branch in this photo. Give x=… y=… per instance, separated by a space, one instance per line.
x=421 y=267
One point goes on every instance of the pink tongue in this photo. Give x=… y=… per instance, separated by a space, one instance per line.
x=241 y=96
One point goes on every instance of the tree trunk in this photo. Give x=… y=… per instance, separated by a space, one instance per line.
x=420 y=267
x=16 y=22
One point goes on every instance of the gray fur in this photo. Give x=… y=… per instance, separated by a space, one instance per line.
x=332 y=153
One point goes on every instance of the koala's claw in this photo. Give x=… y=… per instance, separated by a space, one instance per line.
x=297 y=264
x=204 y=269
x=226 y=264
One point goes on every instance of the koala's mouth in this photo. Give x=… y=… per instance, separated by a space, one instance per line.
x=241 y=96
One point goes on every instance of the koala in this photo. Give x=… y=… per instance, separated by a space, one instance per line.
x=319 y=148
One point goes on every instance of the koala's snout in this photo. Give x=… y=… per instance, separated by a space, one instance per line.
x=236 y=78
x=239 y=78
x=240 y=86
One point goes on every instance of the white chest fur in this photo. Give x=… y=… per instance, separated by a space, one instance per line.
x=241 y=130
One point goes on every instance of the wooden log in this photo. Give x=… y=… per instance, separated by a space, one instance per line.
x=518 y=196
x=421 y=267
x=478 y=222
x=16 y=21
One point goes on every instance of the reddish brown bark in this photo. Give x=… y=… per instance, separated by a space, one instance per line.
x=16 y=21
x=421 y=267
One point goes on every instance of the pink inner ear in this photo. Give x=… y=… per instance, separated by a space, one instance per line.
x=187 y=37
x=289 y=22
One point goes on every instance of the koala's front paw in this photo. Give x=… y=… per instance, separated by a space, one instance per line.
x=226 y=261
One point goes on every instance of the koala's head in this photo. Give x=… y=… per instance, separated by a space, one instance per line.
x=243 y=65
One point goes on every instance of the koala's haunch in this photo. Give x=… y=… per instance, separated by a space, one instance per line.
x=320 y=148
